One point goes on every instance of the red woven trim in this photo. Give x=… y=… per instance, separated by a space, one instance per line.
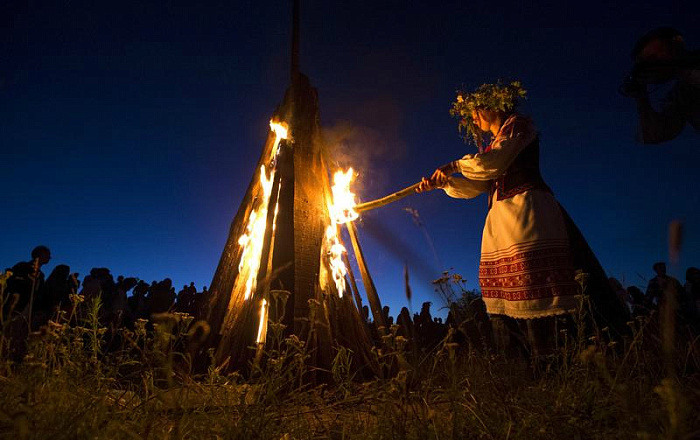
x=531 y=294
x=535 y=274
x=512 y=192
x=525 y=261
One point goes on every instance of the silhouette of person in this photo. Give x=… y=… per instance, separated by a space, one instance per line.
x=120 y=304
x=692 y=285
x=660 y=57
x=27 y=280
x=405 y=324
x=137 y=301
x=162 y=297
x=661 y=284
x=57 y=289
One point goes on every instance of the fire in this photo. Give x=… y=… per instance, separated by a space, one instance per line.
x=281 y=131
x=335 y=258
x=262 y=326
x=341 y=210
x=253 y=238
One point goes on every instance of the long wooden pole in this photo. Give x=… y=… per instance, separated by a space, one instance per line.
x=353 y=283
x=374 y=304
x=398 y=195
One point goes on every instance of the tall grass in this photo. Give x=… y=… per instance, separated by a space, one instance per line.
x=69 y=385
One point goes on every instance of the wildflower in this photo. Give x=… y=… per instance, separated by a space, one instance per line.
x=166 y=318
x=199 y=331
x=582 y=278
x=4 y=277
x=76 y=299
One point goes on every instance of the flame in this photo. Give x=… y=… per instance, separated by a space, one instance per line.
x=335 y=258
x=253 y=238
x=262 y=326
x=341 y=210
x=281 y=131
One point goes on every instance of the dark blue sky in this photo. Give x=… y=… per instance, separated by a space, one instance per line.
x=129 y=132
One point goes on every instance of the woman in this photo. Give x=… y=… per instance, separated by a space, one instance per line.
x=527 y=268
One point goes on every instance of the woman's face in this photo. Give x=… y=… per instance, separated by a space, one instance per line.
x=480 y=121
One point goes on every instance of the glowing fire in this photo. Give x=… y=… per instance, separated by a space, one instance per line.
x=341 y=210
x=281 y=132
x=335 y=258
x=253 y=238
x=262 y=327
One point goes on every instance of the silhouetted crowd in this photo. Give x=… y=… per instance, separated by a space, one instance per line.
x=31 y=298
x=30 y=301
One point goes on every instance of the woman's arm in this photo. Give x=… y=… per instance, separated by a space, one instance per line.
x=463 y=188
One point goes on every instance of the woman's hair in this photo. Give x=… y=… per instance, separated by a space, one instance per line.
x=496 y=97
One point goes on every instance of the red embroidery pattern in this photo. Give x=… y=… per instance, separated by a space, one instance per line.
x=529 y=275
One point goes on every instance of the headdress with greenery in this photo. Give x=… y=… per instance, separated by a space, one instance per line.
x=497 y=97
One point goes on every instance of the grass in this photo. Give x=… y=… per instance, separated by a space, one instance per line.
x=69 y=386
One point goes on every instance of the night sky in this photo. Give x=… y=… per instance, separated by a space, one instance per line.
x=130 y=131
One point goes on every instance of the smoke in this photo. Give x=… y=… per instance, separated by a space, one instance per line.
x=368 y=139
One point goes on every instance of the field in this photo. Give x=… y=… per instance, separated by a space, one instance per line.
x=76 y=382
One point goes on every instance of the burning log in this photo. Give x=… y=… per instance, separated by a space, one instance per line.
x=353 y=283
x=284 y=242
x=375 y=304
x=398 y=195
x=283 y=238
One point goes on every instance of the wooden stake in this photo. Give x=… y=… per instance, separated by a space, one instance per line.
x=353 y=284
x=398 y=195
x=374 y=304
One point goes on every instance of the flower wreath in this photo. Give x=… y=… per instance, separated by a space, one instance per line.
x=498 y=97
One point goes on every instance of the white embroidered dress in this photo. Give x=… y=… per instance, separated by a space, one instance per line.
x=526 y=269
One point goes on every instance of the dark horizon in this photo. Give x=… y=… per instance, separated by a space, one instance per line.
x=131 y=132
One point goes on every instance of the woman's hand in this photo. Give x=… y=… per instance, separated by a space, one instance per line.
x=437 y=180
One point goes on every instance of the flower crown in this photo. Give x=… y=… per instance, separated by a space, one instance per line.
x=498 y=97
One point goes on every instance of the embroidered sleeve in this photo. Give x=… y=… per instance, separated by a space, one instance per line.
x=515 y=134
x=463 y=188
